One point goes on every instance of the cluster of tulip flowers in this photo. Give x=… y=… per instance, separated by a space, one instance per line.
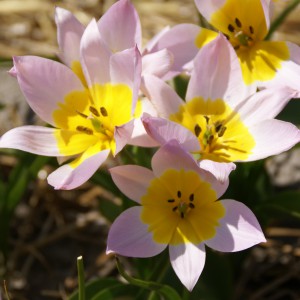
x=109 y=92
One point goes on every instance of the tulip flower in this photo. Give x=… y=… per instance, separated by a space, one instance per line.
x=178 y=207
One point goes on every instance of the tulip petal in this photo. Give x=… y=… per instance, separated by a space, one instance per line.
x=68 y=177
x=44 y=83
x=133 y=181
x=130 y=237
x=238 y=229
x=94 y=56
x=34 y=139
x=163 y=97
x=120 y=26
x=122 y=135
x=273 y=137
x=163 y=130
x=69 y=33
x=188 y=262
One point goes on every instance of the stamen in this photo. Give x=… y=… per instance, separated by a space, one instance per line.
x=179 y=194
x=171 y=200
x=175 y=208
x=210 y=139
x=191 y=197
x=85 y=130
x=94 y=111
x=227 y=36
x=222 y=131
x=182 y=215
x=81 y=114
x=103 y=111
x=191 y=205
x=236 y=47
x=238 y=22
x=251 y=29
x=197 y=130
x=230 y=28
x=218 y=126
x=206 y=119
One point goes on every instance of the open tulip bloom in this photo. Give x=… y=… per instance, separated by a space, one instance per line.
x=179 y=208
x=91 y=112
x=246 y=24
x=222 y=121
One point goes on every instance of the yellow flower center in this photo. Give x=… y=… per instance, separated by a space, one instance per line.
x=88 y=118
x=180 y=207
x=222 y=135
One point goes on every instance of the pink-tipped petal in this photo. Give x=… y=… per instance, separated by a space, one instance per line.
x=94 y=56
x=163 y=97
x=126 y=68
x=44 y=83
x=172 y=156
x=69 y=33
x=120 y=26
x=128 y=236
x=66 y=177
x=188 y=262
x=163 y=130
x=157 y=63
x=132 y=181
x=123 y=135
x=238 y=229
x=273 y=137
x=180 y=41
x=34 y=139
x=207 y=8
x=217 y=74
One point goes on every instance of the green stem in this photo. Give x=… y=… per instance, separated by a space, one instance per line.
x=281 y=17
x=80 y=270
x=5 y=290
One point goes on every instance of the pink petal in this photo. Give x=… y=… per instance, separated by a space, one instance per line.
x=180 y=41
x=34 y=139
x=120 y=26
x=122 y=135
x=126 y=68
x=273 y=137
x=163 y=130
x=263 y=105
x=162 y=96
x=94 y=56
x=188 y=262
x=217 y=74
x=44 y=83
x=238 y=230
x=208 y=7
x=69 y=33
x=67 y=177
x=157 y=63
x=133 y=181
x=128 y=236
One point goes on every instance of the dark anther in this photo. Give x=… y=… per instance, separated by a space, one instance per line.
x=210 y=139
x=94 y=111
x=82 y=115
x=182 y=215
x=179 y=194
x=191 y=205
x=230 y=28
x=218 y=126
x=197 y=130
x=238 y=22
x=103 y=111
x=85 y=130
x=236 y=47
x=191 y=197
x=227 y=36
x=222 y=131
x=206 y=119
x=174 y=208
x=251 y=29
x=171 y=200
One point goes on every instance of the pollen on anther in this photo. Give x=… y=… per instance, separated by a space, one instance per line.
x=238 y=22
x=191 y=198
x=251 y=29
x=103 y=111
x=81 y=114
x=230 y=28
x=222 y=131
x=191 y=205
x=94 y=111
x=197 y=130
x=171 y=200
x=179 y=194
x=85 y=130
x=174 y=208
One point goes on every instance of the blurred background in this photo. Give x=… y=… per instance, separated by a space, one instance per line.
x=43 y=231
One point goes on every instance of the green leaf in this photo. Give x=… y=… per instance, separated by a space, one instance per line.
x=124 y=291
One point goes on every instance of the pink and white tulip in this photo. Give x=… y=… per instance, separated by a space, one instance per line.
x=179 y=209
